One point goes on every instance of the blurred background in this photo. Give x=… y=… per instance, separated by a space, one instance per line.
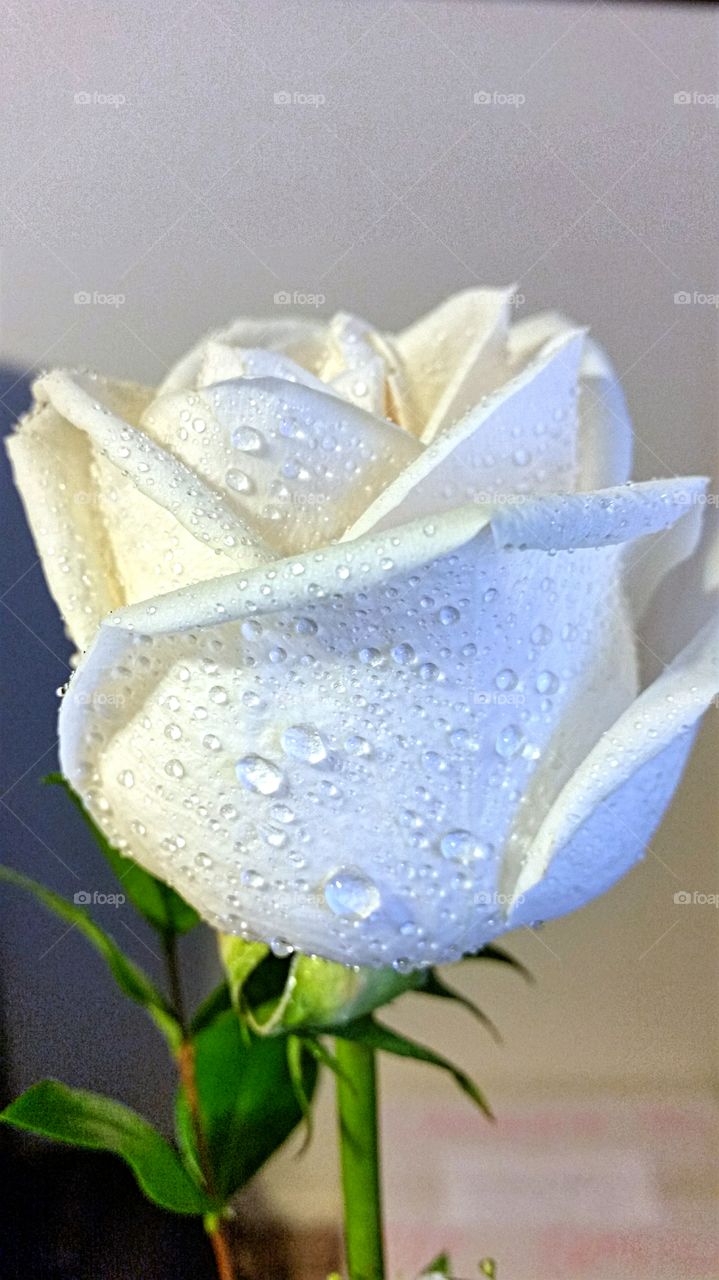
x=169 y=167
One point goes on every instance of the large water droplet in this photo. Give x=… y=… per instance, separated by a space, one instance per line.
x=258 y=774
x=304 y=742
x=351 y=894
x=246 y=439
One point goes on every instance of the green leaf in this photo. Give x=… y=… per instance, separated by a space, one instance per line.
x=436 y=986
x=246 y=1097
x=102 y=1124
x=217 y=1002
x=130 y=979
x=376 y=1036
x=161 y=906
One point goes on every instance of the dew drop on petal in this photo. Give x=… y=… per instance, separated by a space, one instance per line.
x=258 y=774
x=304 y=742
x=349 y=893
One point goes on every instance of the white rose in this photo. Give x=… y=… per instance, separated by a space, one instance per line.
x=359 y=614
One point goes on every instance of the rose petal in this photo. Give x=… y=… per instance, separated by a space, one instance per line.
x=223 y=363
x=53 y=467
x=605 y=431
x=454 y=355
x=419 y=677
x=522 y=440
x=604 y=817
x=301 y=340
x=300 y=463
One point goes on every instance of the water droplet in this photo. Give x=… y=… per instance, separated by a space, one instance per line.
x=252 y=879
x=175 y=769
x=211 y=742
x=258 y=774
x=304 y=742
x=541 y=634
x=506 y=679
x=246 y=439
x=203 y=861
x=357 y=746
x=370 y=657
x=403 y=654
x=282 y=813
x=509 y=741
x=173 y=731
x=218 y=694
x=251 y=629
x=350 y=894
x=126 y=778
x=238 y=480
x=448 y=615
x=281 y=948
x=546 y=682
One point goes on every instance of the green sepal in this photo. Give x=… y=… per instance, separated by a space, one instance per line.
x=247 y=1099
x=85 y=1119
x=131 y=980
x=436 y=986
x=160 y=905
x=440 y=1265
x=278 y=996
x=376 y=1036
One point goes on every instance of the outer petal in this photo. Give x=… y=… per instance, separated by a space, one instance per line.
x=223 y=363
x=297 y=338
x=300 y=463
x=604 y=817
x=361 y=685
x=454 y=355
x=158 y=512
x=605 y=431
x=53 y=467
x=520 y=440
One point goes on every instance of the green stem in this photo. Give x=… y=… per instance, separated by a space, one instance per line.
x=359 y=1153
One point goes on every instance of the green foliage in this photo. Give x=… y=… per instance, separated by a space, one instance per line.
x=130 y=979
x=247 y=1098
x=89 y=1120
x=164 y=909
x=375 y=1035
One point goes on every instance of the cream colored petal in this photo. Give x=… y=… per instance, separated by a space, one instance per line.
x=296 y=337
x=605 y=431
x=166 y=481
x=603 y=819
x=522 y=440
x=365 y=368
x=241 y=738
x=455 y=355
x=223 y=363
x=53 y=468
x=302 y=464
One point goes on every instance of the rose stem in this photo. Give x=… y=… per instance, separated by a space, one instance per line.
x=186 y=1066
x=356 y=1083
